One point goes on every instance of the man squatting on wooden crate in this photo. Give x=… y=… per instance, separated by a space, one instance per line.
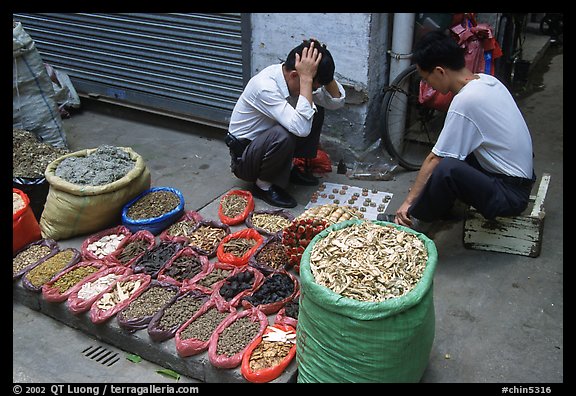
x=279 y=117
x=483 y=156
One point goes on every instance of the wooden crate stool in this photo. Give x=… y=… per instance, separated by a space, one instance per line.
x=520 y=234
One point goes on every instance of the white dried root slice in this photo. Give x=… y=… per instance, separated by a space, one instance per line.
x=105 y=245
x=91 y=289
x=277 y=335
x=332 y=213
x=122 y=291
x=369 y=262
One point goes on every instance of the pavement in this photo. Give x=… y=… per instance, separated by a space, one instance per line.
x=499 y=316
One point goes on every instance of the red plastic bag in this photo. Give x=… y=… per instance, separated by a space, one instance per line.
x=320 y=164
x=88 y=254
x=475 y=38
x=194 y=345
x=240 y=216
x=272 y=307
x=47 y=268
x=429 y=97
x=117 y=258
x=187 y=303
x=138 y=314
x=196 y=263
x=100 y=315
x=269 y=373
x=288 y=314
x=222 y=288
x=192 y=218
x=209 y=279
x=246 y=233
x=25 y=227
x=76 y=302
x=223 y=360
x=52 y=292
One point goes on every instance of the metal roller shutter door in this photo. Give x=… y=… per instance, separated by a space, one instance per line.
x=188 y=65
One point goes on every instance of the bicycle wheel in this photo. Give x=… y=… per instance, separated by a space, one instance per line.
x=409 y=129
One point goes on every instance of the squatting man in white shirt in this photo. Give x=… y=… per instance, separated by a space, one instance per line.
x=279 y=117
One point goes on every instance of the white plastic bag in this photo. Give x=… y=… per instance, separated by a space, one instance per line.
x=33 y=106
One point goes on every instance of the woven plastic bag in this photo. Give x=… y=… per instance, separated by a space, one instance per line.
x=340 y=339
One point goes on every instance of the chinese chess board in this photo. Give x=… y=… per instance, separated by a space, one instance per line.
x=370 y=202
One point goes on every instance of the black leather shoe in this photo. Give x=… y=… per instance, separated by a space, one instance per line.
x=275 y=196
x=302 y=179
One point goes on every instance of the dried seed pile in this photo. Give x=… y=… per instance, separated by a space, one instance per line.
x=237 y=336
x=132 y=250
x=369 y=262
x=17 y=202
x=177 y=313
x=30 y=157
x=73 y=277
x=204 y=325
x=154 y=204
x=29 y=256
x=103 y=166
x=233 y=205
x=148 y=303
x=269 y=222
x=275 y=288
x=235 y=284
x=273 y=255
x=121 y=292
x=93 y=288
x=184 y=267
x=105 y=245
x=46 y=270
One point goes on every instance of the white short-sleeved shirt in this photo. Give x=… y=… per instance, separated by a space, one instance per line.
x=484 y=118
x=266 y=102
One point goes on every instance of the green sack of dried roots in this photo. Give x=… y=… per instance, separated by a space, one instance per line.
x=343 y=336
x=73 y=209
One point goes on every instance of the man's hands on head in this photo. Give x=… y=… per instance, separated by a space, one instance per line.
x=307 y=67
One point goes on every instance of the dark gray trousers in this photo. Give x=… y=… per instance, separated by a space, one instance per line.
x=269 y=156
x=490 y=194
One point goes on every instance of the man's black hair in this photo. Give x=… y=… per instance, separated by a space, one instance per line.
x=326 y=68
x=436 y=48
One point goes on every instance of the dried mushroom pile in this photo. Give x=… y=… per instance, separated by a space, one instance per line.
x=369 y=262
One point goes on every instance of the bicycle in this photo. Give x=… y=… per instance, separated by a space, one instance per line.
x=410 y=128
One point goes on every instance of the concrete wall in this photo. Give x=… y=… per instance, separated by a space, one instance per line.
x=358 y=43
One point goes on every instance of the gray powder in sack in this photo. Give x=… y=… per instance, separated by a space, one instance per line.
x=105 y=165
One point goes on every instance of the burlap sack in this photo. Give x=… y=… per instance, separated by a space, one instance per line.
x=73 y=209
